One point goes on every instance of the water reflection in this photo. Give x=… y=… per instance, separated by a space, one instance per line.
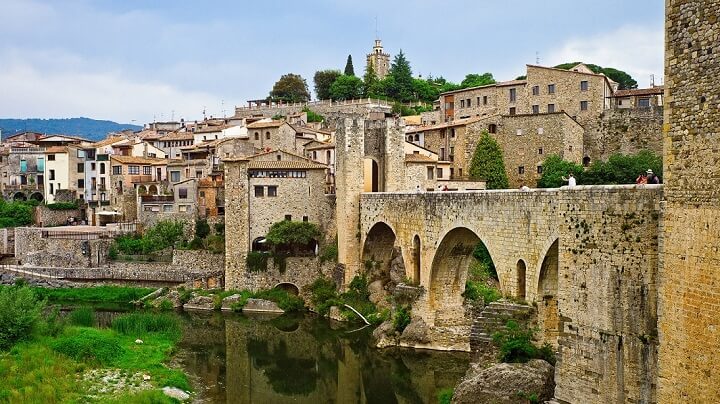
x=305 y=359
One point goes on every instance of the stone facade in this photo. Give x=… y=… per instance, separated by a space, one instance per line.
x=44 y=216
x=626 y=131
x=325 y=108
x=689 y=276
x=379 y=60
x=34 y=246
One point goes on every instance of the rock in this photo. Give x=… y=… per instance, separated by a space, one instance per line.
x=176 y=393
x=139 y=341
x=335 y=314
x=377 y=292
x=384 y=335
x=262 y=306
x=146 y=377
x=229 y=301
x=174 y=297
x=502 y=382
x=200 y=303
x=416 y=332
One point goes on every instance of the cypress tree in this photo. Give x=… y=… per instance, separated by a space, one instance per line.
x=487 y=163
x=370 y=82
x=400 y=79
x=349 y=69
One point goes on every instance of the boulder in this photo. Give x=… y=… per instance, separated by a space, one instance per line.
x=176 y=393
x=506 y=383
x=335 y=314
x=416 y=332
x=377 y=293
x=200 y=303
x=262 y=306
x=228 y=302
x=385 y=335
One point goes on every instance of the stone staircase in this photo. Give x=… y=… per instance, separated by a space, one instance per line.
x=493 y=318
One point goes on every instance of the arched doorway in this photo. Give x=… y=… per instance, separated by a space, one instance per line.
x=153 y=189
x=520 y=273
x=548 y=315
x=288 y=287
x=260 y=245
x=378 y=251
x=19 y=196
x=586 y=161
x=416 y=260
x=371 y=175
x=37 y=196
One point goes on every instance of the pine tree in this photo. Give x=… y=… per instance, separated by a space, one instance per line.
x=400 y=83
x=370 y=81
x=349 y=69
x=487 y=163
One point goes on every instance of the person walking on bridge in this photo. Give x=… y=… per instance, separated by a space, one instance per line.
x=570 y=180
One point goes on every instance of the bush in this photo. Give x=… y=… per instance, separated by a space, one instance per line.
x=445 y=396
x=475 y=291
x=256 y=261
x=216 y=244
x=554 y=168
x=163 y=235
x=220 y=229
x=289 y=232
x=143 y=323
x=15 y=214
x=312 y=116
x=196 y=244
x=89 y=344
x=515 y=343
x=62 y=206
x=286 y=301
x=329 y=252
x=19 y=313
x=83 y=316
x=482 y=255
x=323 y=294
x=402 y=319
x=202 y=228
x=487 y=163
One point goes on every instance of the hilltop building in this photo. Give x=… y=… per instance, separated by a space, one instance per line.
x=379 y=60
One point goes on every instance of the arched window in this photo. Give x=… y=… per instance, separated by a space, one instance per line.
x=586 y=161
x=521 y=279
x=257 y=135
x=267 y=135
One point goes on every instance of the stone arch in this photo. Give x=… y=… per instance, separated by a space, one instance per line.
x=19 y=196
x=378 y=250
x=141 y=190
x=521 y=276
x=37 y=196
x=259 y=244
x=547 y=290
x=416 y=260
x=153 y=189
x=586 y=161
x=288 y=287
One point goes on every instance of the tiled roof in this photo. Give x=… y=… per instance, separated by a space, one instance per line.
x=418 y=158
x=177 y=136
x=321 y=145
x=510 y=83
x=56 y=149
x=108 y=141
x=286 y=165
x=261 y=125
x=639 y=91
x=456 y=122
x=139 y=160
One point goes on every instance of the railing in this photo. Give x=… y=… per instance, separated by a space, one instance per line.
x=21 y=150
x=74 y=235
x=359 y=101
x=136 y=179
x=28 y=187
x=157 y=198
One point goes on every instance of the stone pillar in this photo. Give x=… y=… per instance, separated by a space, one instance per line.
x=689 y=325
x=349 y=152
x=237 y=226
x=394 y=156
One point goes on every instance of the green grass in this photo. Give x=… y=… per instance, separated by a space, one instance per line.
x=95 y=347
x=445 y=396
x=107 y=294
x=140 y=324
x=142 y=397
x=82 y=316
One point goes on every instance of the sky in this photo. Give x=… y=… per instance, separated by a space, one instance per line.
x=135 y=61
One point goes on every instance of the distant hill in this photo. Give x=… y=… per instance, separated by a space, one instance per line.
x=90 y=129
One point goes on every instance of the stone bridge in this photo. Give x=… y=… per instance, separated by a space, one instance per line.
x=585 y=256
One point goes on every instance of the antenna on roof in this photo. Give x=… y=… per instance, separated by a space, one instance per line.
x=537 y=58
x=652 y=80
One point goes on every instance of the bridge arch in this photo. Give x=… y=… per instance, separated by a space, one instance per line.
x=547 y=291
x=378 y=250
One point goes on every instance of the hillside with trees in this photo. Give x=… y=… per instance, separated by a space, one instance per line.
x=625 y=81
x=91 y=129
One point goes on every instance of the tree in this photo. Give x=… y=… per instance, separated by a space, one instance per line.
x=623 y=169
x=624 y=80
x=487 y=163
x=425 y=90
x=443 y=85
x=370 y=82
x=399 y=83
x=346 y=88
x=477 y=80
x=349 y=69
x=290 y=88
x=323 y=79
x=554 y=168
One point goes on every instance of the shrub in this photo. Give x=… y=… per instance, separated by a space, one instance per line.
x=475 y=291
x=82 y=316
x=554 y=168
x=202 y=228
x=220 y=229
x=197 y=243
x=256 y=261
x=216 y=244
x=312 y=116
x=482 y=255
x=165 y=305
x=515 y=343
x=487 y=163
x=143 y=323
x=62 y=206
x=14 y=214
x=89 y=344
x=286 y=301
x=105 y=294
x=445 y=396
x=289 y=232
x=402 y=318
x=323 y=294
x=19 y=312
x=329 y=252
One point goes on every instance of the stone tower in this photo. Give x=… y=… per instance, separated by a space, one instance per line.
x=379 y=60
x=689 y=297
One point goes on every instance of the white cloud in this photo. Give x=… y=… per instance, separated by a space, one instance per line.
x=637 y=50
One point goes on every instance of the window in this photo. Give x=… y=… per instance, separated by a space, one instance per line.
x=259 y=191
x=306 y=219
x=643 y=102
x=92 y=166
x=23 y=166
x=569 y=148
x=535 y=109
x=439 y=173
x=462 y=103
x=288 y=217
x=452 y=173
x=41 y=164
x=52 y=190
x=540 y=151
x=551 y=108
x=81 y=154
x=442 y=154
x=492 y=128
x=257 y=135
x=551 y=88
x=174 y=176
x=267 y=135
x=485 y=100
x=478 y=101
x=512 y=110
x=167 y=208
x=468 y=102
x=198 y=174
x=51 y=157
x=584 y=85
x=539 y=169
x=81 y=167
x=314 y=154
x=430 y=173
x=452 y=132
x=102 y=168
x=536 y=90
x=513 y=95
x=278 y=157
x=521 y=170
x=147 y=170
x=540 y=131
x=133 y=170
x=81 y=183
x=182 y=193
x=52 y=175
x=583 y=105
x=272 y=190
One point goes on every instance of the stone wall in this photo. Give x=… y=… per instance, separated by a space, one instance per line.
x=607 y=295
x=690 y=260
x=626 y=131
x=300 y=271
x=47 y=217
x=327 y=107
x=32 y=248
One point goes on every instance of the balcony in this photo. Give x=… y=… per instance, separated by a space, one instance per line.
x=138 y=179
x=156 y=198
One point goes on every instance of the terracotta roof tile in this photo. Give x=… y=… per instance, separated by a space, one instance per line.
x=56 y=149
x=260 y=125
x=285 y=164
x=177 y=136
x=639 y=91
x=418 y=158
x=139 y=160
